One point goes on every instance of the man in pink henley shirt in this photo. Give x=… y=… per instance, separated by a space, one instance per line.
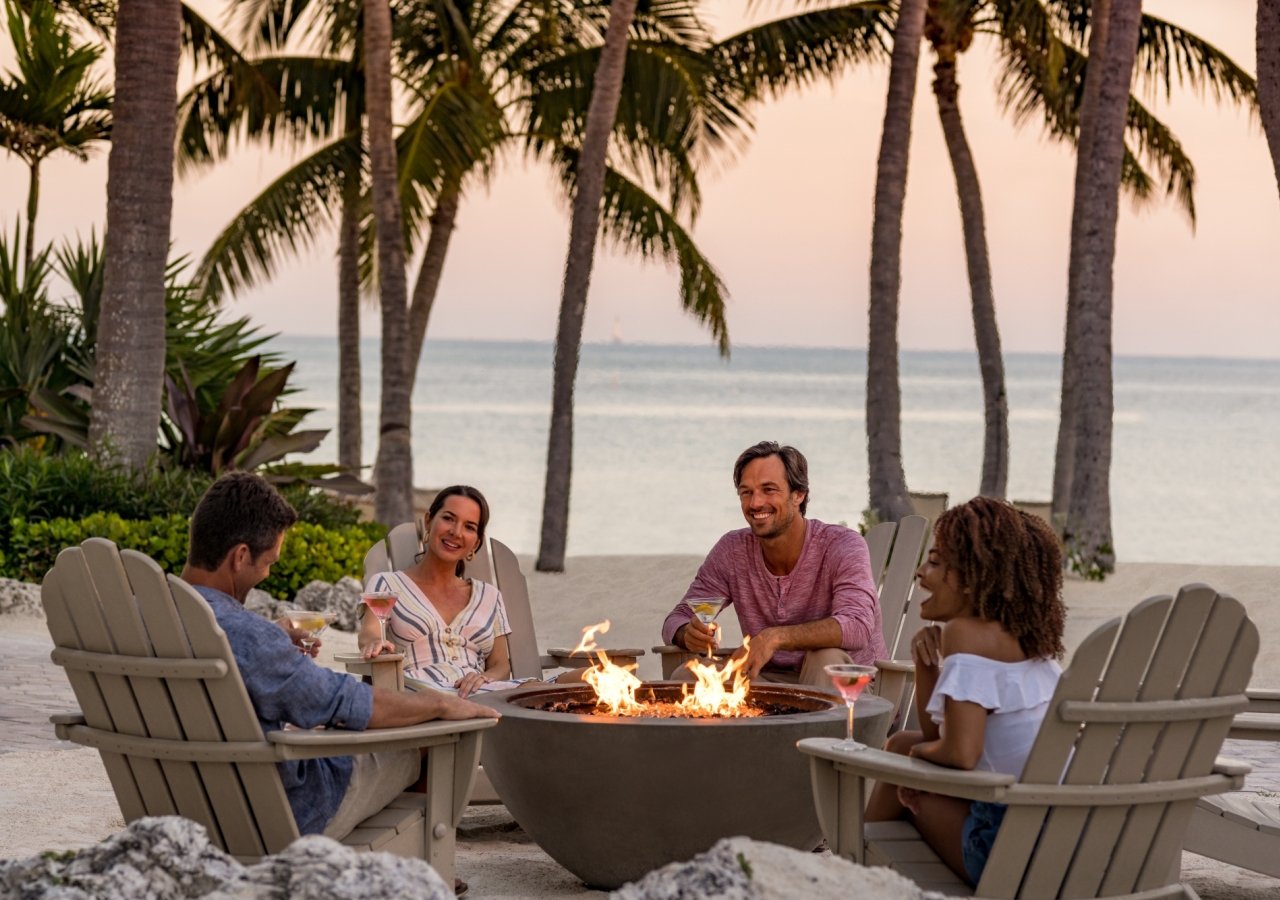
x=802 y=589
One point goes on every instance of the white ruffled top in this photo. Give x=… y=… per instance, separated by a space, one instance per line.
x=1016 y=694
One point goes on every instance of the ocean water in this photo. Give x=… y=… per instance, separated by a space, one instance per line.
x=657 y=429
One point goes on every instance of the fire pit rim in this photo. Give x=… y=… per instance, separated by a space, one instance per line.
x=507 y=703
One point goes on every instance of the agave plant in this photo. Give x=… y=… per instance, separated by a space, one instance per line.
x=246 y=428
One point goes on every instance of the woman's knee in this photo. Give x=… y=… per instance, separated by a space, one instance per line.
x=903 y=741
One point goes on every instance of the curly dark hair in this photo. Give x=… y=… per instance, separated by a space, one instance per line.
x=1011 y=563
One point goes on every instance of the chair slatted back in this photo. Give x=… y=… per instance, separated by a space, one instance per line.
x=899 y=577
x=1164 y=653
x=879 y=539
x=522 y=643
x=494 y=563
x=121 y=605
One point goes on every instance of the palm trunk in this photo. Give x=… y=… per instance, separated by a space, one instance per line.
x=1269 y=76
x=33 y=206
x=393 y=470
x=1094 y=215
x=577 y=278
x=986 y=333
x=129 y=364
x=350 y=420
x=1064 y=454
x=428 y=283
x=887 y=482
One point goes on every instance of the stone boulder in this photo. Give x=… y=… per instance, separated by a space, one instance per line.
x=20 y=599
x=742 y=869
x=341 y=599
x=172 y=857
x=264 y=604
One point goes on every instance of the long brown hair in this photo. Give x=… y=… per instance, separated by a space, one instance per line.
x=1011 y=564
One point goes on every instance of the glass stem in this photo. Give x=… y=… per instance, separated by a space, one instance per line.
x=849 y=728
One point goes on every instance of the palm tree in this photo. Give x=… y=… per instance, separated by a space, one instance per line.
x=129 y=366
x=1269 y=76
x=887 y=481
x=583 y=232
x=1100 y=162
x=393 y=469
x=54 y=102
x=486 y=76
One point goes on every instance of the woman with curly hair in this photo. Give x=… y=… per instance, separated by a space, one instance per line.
x=984 y=679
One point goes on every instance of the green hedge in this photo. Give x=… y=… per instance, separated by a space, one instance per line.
x=310 y=551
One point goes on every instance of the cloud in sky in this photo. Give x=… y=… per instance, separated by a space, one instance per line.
x=788 y=226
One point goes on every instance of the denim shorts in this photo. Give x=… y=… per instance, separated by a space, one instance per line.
x=979 y=834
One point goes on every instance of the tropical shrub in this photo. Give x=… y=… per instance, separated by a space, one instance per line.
x=36 y=486
x=310 y=551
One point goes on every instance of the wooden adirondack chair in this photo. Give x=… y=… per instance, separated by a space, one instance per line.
x=1103 y=803
x=895 y=549
x=162 y=700
x=1243 y=828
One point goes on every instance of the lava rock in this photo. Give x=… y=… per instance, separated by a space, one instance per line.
x=20 y=599
x=742 y=869
x=170 y=858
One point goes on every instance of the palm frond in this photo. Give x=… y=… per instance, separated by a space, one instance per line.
x=282 y=220
x=275 y=98
x=796 y=50
x=1169 y=54
x=633 y=220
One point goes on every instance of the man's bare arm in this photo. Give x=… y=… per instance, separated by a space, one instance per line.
x=392 y=709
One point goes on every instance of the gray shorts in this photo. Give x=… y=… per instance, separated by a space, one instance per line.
x=376 y=780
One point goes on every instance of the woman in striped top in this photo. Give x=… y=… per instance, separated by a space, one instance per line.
x=453 y=629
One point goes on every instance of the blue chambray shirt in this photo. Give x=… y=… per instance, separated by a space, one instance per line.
x=288 y=686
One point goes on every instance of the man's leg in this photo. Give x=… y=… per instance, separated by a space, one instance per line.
x=378 y=778
x=812 y=674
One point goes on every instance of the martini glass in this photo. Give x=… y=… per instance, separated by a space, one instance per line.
x=706 y=609
x=850 y=680
x=380 y=603
x=311 y=623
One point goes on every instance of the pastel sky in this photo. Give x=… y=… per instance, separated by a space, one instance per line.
x=787 y=223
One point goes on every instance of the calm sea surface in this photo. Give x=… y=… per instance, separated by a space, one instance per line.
x=657 y=429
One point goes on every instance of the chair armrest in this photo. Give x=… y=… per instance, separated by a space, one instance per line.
x=384 y=671
x=905 y=667
x=1255 y=726
x=908 y=772
x=572 y=659
x=1232 y=767
x=1263 y=700
x=67 y=718
x=312 y=743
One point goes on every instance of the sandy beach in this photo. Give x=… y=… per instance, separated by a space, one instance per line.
x=54 y=797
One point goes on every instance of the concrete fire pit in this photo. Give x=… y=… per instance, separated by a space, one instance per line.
x=611 y=798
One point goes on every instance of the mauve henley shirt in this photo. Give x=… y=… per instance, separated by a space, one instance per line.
x=831 y=579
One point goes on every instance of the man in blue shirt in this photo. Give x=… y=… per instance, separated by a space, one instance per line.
x=237 y=532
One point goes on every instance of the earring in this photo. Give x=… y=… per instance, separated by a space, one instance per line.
x=471 y=556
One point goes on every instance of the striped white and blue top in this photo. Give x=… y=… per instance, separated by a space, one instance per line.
x=436 y=651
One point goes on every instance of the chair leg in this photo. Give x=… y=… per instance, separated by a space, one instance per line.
x=441 y=836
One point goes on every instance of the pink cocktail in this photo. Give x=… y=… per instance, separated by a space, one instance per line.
x=380 y=604
x=850 y=680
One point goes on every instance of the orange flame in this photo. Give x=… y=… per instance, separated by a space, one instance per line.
x=709 y=696
x=615 y=685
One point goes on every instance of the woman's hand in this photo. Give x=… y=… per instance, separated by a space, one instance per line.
x=926 y=647
x=377 y=648
x=470 y=683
